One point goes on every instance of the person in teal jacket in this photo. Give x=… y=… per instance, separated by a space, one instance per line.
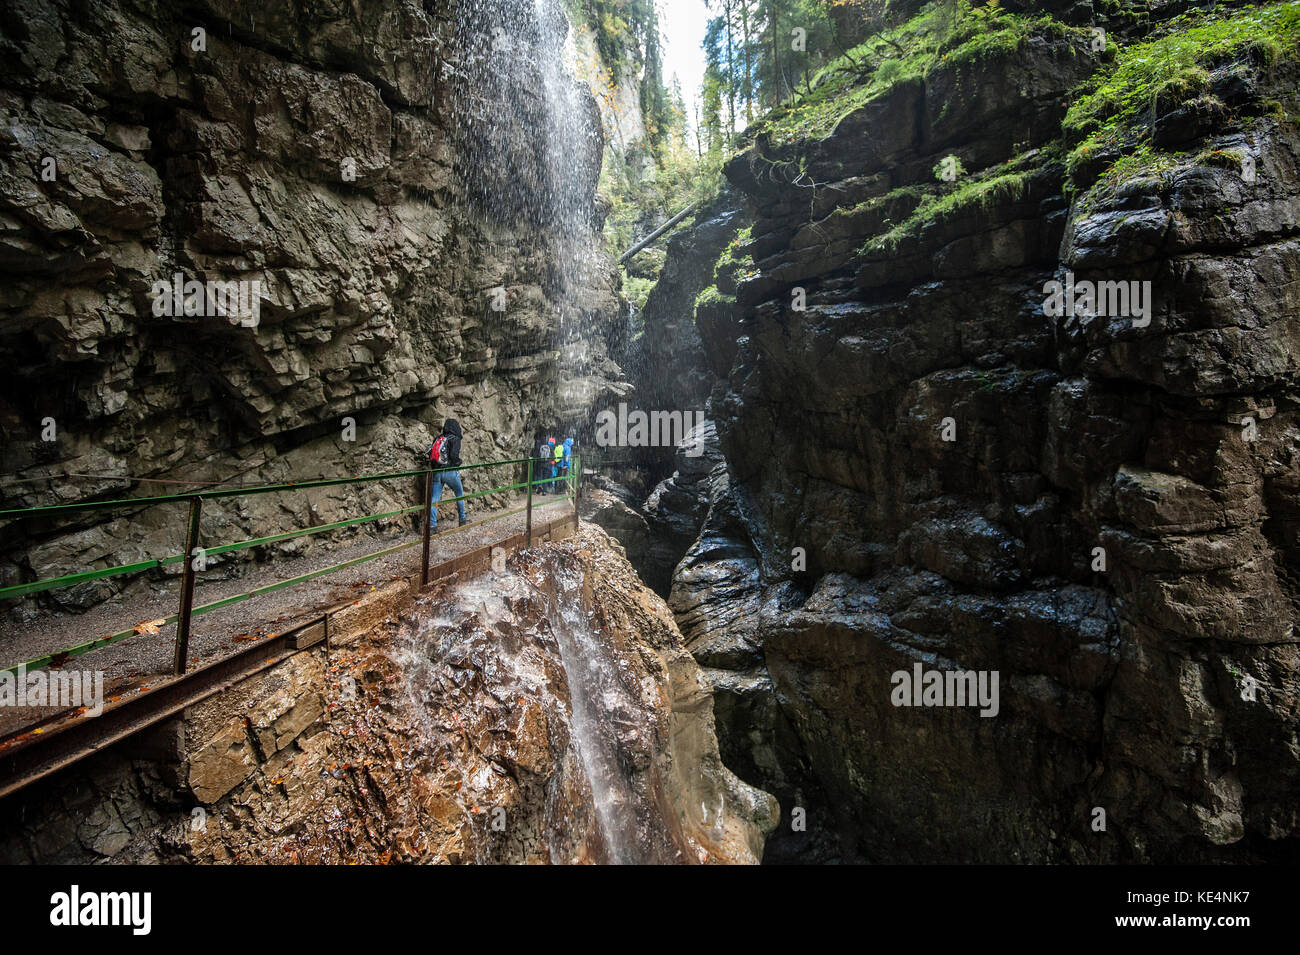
x=566 y=465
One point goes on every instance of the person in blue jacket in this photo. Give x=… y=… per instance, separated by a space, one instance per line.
x=566 y=466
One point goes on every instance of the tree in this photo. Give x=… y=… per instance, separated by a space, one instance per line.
x=758 y=51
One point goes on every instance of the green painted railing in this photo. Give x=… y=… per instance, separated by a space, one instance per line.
x=188 y=611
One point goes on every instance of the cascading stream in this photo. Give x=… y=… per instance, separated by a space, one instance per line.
x=528 y=639
x=597 y=699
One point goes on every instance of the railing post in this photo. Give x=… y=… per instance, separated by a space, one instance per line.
x=529 y=521
x=187 y=589
x=424 y=540
x=575 y=478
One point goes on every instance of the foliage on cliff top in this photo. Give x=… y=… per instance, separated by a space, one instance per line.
x=642 y=193
x=946 y=33
x=624 y=30
x=1115 y=118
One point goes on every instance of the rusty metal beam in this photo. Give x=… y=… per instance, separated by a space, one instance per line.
x=36 y=757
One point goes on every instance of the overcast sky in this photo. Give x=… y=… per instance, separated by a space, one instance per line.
x=682 y=23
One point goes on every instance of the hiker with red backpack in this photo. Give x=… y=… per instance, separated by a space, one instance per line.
x=444 y=458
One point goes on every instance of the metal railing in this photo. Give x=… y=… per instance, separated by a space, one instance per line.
x=194 y=554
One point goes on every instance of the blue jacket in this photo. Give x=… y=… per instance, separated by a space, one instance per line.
x=568 y=449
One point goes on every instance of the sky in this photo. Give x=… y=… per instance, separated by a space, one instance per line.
x=681 y=25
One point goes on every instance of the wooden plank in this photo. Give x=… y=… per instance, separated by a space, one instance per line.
x=308 y=635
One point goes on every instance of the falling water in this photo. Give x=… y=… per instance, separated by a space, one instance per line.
x=575 y=123
x=529 y=146
x=499 y=637
x=599 y=702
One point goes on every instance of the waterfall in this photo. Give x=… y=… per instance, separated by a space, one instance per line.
x=598 y=703
x=496 y=645
x=530 y=147
x=574 y=124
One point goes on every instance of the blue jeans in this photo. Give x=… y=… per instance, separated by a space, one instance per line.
x=452 y=480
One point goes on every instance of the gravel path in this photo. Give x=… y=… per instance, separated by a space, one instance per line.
x=142 y=657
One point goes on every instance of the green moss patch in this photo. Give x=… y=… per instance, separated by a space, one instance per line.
x=1007 y=182
x=1111 y=125
x=942 y=34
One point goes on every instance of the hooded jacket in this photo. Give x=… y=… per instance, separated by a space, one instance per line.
x=568 y=450
x=451 y=428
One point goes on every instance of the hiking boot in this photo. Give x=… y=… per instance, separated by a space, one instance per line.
x=468 y=520
x=433 y=531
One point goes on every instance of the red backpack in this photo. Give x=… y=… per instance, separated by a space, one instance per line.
x=438 y=452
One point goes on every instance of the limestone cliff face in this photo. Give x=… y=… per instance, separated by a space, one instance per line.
x=360 y=163
x=673 y=369
x=1155 y=678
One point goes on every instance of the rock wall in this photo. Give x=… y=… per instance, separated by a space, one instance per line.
x=355 y=162
x=672 y=371
x=442 y=734
x=922 y=465
x=656 y=533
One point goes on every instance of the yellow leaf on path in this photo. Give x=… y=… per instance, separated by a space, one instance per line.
x=149 y=626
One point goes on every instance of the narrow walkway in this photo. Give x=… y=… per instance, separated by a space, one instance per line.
x=147 y=656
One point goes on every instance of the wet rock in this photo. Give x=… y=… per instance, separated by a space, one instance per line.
x=673 y=371
x=223 y=763
x=922 y=467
